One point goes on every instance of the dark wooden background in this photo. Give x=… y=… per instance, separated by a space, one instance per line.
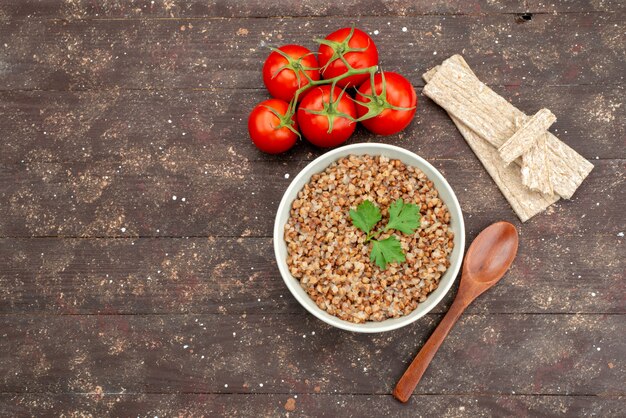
x=117 y=299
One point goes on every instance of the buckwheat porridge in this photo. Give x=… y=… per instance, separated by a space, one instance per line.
x=331 y=258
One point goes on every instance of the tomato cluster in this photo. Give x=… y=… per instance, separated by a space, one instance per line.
x=311 y=95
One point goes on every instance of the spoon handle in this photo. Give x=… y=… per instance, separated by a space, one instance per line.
x=409 y=380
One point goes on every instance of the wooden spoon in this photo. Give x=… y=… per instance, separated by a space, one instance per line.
x=486 y=261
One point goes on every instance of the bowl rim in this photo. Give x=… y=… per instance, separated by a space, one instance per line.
x=293 y=283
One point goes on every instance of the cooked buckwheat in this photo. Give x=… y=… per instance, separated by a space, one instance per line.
x=327 y=254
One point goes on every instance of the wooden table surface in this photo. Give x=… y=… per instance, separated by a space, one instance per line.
x=137 y=274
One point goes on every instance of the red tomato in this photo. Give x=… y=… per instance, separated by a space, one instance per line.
x=264 y=127
x=399 y=93
x=357 y=59
x=315 y=127
x=279 y=73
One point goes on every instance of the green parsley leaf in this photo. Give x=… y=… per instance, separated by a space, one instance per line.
x=386 y=251
x=403 y=217
x=365 y=216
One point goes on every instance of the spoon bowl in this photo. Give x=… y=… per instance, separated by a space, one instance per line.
x=491 y=254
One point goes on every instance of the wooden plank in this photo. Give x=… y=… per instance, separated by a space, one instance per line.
x=568 y=6
x=550 y=354
x=304 y=405
x=218 y=53
x=204 y=317
x=236 y=276
x=120 y=126
x=86 y=9
x=239 y=198
x=145 y=9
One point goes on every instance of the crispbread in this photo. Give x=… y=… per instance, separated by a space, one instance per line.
x=487 y=121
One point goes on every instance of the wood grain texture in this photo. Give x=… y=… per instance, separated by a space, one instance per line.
x=554 y=273
x=296 y=353
x=304 y=405
x=94 y=319
x=146 y=9
x=143 y=9
x=118 y=126
x=217 y=53
x=136 y=197
x=578 y=6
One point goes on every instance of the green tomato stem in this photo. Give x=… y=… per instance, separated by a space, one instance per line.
x=340 y=49
x=312 y=83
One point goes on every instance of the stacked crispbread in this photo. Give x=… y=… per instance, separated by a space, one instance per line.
x=544 y=168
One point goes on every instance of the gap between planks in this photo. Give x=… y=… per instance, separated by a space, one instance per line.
x=318 y=16
x=269 y=159
x=381 y=394
x=174 y=237
x=135 y=237
x=285 y=314
x=419 y=86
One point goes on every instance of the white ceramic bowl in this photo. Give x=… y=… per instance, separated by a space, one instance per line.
x=393 y=152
